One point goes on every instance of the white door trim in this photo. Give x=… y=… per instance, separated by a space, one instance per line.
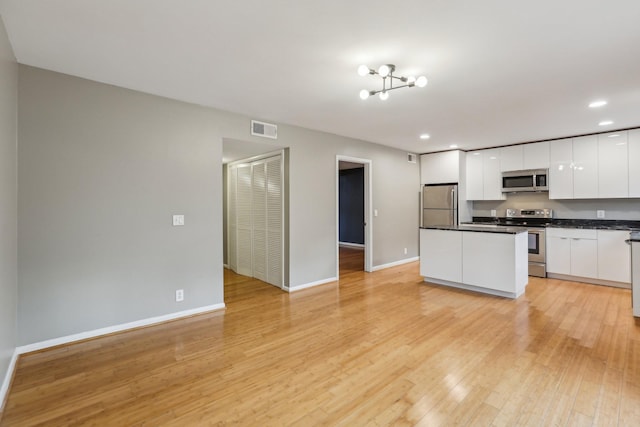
x=368 y=210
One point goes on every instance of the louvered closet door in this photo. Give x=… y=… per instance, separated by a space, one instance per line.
x=259 y=218
x=231 y=218
x=243 y=220
x=274 y=208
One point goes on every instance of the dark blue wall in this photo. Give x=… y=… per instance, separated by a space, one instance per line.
x=352 y=205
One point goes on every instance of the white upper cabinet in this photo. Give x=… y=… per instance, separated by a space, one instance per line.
x=634 y=162
x=484 y=178
x=475 y=187
x=511 y=158
x=561 y=169
x=585 y=167
x=536 y=155
x=440 y=168
x=525 y=156
x=491 y=174
x=613 y=165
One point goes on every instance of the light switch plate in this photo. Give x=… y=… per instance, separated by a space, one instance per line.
x=375 y=212
x=600 y=214
x=178 y=220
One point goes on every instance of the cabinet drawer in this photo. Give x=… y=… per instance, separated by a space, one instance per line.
x=573 y=233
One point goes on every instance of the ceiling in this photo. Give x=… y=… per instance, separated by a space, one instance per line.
x=500 y=71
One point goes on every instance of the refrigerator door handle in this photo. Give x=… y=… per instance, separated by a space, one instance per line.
x=421 y=206
x=454 y=205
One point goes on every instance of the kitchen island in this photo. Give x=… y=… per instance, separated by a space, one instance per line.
x=634 y=239
x=488 y=259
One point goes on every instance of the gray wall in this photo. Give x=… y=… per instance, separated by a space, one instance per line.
x=8 y=202
x=101 y=172
x=627 y=209
x=102 y=169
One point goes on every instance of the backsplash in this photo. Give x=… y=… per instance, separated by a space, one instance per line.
x=625 y=209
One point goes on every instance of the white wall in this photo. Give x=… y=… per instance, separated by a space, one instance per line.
x=8 y=207
x=102 y=169
x=101 y=172
x=622 y=209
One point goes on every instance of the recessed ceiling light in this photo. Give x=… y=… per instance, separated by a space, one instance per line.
x=605 y=123
x=615 y=135
x=453 y=146
x=425 y=136
x=596 y=104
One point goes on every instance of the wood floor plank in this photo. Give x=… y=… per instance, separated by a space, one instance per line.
x=382 y=348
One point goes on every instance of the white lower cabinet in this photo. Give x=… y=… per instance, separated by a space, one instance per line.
x=584 y=256
x=601 y=255
x=558 y=254
x=572 y=251
x=614 y=256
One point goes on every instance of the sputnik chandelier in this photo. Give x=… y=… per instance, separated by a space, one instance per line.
x=386 y=72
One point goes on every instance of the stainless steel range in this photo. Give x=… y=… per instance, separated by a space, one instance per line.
x=535 y=220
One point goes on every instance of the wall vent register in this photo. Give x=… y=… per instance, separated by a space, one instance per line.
x=265 y=130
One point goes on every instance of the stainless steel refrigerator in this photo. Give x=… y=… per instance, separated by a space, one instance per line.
x=439 y=204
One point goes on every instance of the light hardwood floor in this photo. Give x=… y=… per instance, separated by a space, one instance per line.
x=379 y=348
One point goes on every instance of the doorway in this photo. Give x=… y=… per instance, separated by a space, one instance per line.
x=255 y=215
x=353 y=214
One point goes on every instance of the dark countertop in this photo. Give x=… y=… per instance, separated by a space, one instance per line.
x=599 y=224
x=635 y=236
x=479 y=228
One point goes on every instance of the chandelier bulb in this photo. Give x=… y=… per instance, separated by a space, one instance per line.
x=363 y=70
x=384 y=70
x=384 y=95
x=421 y=81
x=364 y=94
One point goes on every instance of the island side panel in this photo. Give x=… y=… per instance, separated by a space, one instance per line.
x=522 y=262
x=489 y=261
x=441 y=254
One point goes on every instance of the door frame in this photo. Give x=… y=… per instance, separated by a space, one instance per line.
x=368 y=210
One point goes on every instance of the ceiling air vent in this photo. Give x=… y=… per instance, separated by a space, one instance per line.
x=411 y=158
x=266 y=130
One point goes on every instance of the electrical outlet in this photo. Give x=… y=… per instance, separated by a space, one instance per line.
x=405 y=251
x=600 y=214
x=494 y=213
x=178 y=220
x=179 y=295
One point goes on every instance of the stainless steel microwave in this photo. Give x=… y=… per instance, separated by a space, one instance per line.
x=525 y=181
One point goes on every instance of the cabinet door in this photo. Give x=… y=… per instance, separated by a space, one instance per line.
x=440 y=168
x=475 y=188
x=511 y=158
x=634 y=162
x=536 y=155
x=492 y=176
x=561 y=169
x=613 y=165
x=441 y=254
x=558 y=255
x=585 y=167
x=614 y=256
x=584 y=258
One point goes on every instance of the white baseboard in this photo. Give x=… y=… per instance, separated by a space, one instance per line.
x=478 y=289
x=225 y=266
x=116 y=328
x=4 y=389
x=395 y=263
x=351 y=245
x=310 y=285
